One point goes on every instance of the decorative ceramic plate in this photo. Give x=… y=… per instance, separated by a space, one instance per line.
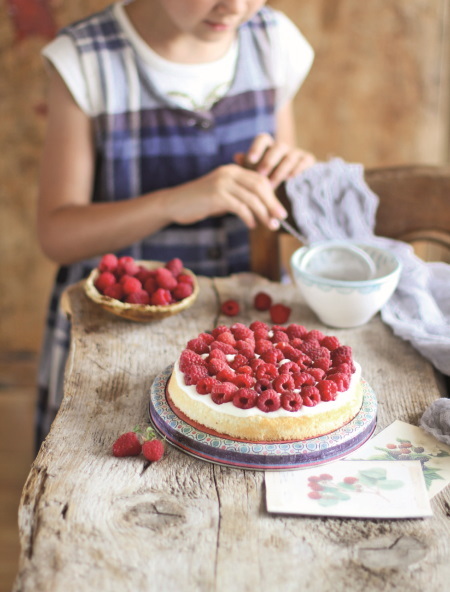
x=216 y=448
x=139 y=312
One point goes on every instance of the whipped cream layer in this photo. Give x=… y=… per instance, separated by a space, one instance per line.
x=341 y=400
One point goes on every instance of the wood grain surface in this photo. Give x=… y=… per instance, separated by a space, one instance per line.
x=90 y=521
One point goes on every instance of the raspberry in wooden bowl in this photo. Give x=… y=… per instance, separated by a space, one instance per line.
x=141 y=291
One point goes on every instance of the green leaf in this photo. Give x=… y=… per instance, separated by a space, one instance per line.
x=343 y=496
x=441 y=453
x=380 y=457
x=390 y=484
x=375 y=473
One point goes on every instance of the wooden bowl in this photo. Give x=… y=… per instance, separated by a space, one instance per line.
x=142 y=313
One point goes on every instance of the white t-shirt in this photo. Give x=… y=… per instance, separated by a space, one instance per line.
x=191 y=86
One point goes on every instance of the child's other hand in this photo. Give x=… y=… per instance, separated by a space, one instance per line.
x=275 y=160
x=227 y=189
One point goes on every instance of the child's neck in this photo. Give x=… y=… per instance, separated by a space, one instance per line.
x=172 y=45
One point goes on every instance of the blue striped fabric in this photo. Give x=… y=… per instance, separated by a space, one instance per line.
x=145 y=142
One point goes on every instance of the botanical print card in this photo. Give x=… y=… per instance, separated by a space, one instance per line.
x=401 y=441
x=351 y=489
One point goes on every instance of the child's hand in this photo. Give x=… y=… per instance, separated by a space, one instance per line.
x=275 y=160
x=227 y=189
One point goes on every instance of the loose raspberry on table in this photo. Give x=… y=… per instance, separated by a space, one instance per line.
x=104 y=280
x=327 y=389
x=283 y=383
x=127 y=266
x=342 y=380
x=245 y=398
x=223 y=392
x=310 y=396
x=115 y=291
x=165 y=279
x=230 y=308
x=262 y=301
x=194 y=374
x=153 y=450
x=161 y=297
x=269 y=401
x=189 y=358
x=204 y=385
x=198 y=345
x=291 y=401
x=266 y=370
x=108 y=262
x=127 y=444
x=175 y=266
x=279 y=313
x=182 y=290
x=331 y=342
x=138 y=297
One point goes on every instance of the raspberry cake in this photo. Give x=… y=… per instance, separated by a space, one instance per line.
x=266 y=383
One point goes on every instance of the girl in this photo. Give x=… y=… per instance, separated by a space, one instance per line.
x=154 y=108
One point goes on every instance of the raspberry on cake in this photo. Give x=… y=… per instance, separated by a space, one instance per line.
x=263 y=383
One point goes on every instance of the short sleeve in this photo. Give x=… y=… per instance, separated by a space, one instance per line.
x=63 y=55
x=293 y=57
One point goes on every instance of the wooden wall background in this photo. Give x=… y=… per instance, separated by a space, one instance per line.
x=378 y=94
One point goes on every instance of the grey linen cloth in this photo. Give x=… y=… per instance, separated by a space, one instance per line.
x=436 y=420
x=331 y=200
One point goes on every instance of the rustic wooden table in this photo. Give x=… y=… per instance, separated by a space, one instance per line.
x=89 y=521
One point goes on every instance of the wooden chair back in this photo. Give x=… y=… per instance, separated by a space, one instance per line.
x=414 y=207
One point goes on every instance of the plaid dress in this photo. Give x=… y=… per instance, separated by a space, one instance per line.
x=145 y=142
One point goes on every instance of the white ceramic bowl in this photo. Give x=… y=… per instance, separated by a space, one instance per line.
x=342 y=302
